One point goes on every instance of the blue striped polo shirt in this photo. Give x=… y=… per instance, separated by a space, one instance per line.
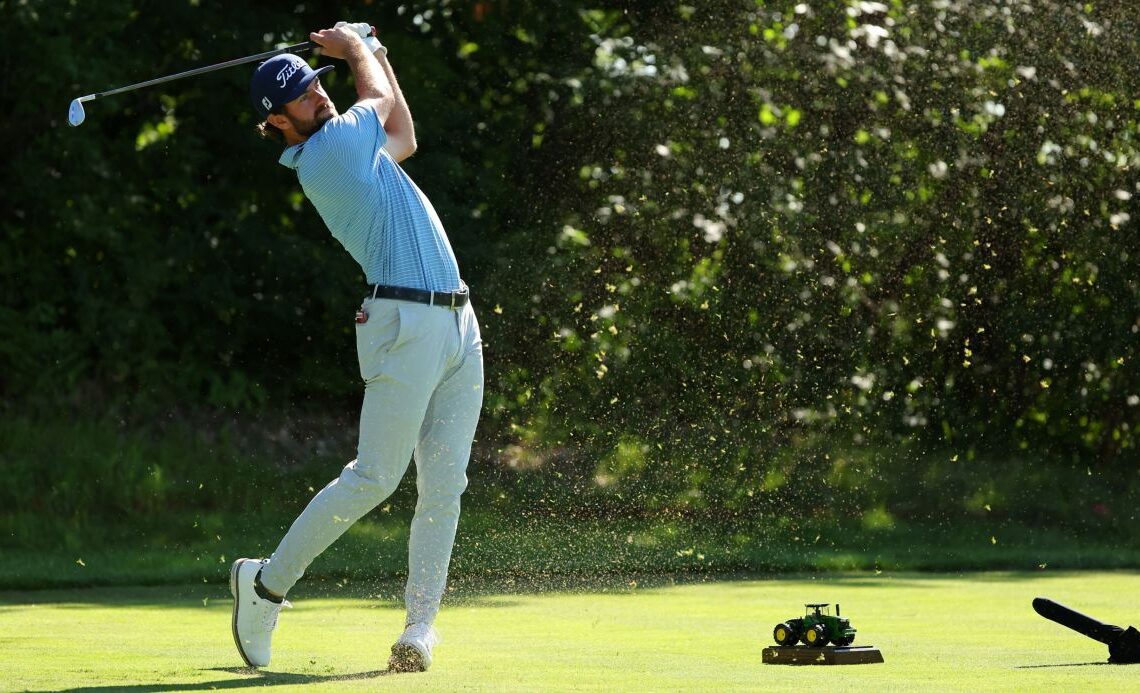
x=371 y=206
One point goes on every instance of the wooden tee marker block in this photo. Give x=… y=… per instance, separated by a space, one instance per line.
x=802 y=654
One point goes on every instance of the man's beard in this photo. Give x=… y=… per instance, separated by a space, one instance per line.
x=306 y=128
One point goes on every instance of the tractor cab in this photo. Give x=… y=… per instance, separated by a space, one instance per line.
x=819 y=610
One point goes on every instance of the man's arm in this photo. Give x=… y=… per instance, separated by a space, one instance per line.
x=401 y=132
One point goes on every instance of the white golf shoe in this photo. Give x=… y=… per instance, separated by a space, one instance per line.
x=412 y=652
x=254 y=618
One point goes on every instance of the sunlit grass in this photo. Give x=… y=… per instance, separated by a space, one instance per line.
x=937 y=632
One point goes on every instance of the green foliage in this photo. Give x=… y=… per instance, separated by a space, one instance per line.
x=718 y=250
x=879 y=227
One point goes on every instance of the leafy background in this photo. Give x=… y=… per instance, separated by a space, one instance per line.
x=830 y=259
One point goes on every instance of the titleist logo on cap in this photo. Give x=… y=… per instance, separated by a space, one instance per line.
x=285 y=73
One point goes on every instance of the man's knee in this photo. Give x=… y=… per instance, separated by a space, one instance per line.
x=443 y=493
x=365 y=480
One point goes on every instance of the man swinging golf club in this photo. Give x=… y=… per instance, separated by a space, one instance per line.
x=417 y=338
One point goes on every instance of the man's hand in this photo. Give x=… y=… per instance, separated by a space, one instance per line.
x=362 y=29
x=367 y=32
x=336 y=42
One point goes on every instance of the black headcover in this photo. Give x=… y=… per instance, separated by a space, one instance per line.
x=1123 y=643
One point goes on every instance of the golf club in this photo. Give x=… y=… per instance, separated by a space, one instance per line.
x=76 y=114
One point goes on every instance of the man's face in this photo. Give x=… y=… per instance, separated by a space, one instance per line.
x=309 y=111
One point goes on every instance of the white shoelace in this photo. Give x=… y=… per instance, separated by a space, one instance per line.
x=269 y=615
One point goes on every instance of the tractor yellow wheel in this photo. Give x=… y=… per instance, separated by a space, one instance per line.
x=815 y=636
x=784 y=635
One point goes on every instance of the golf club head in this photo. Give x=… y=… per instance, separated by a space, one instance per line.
x=76 y=114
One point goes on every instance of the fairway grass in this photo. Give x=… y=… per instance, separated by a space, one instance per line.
x=968 y=632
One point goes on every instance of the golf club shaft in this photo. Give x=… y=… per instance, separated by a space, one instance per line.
x=295 y=48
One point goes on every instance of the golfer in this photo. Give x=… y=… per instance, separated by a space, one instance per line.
x=417 y=339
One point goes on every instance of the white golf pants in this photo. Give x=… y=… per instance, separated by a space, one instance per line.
x=423 y=372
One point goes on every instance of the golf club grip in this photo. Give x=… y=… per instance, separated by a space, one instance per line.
x=295 y=48
x=1075 y=620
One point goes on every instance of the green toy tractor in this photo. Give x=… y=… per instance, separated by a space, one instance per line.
x=816 y=629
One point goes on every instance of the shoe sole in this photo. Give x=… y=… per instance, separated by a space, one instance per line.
x=234 y=621
x=406 y=659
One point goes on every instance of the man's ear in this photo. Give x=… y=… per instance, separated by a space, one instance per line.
x=279 y=121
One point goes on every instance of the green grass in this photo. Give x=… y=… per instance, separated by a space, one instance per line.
x=943 y=632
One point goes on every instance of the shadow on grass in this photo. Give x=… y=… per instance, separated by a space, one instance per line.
x=490 y=588
x=466 y=589
x=255 y=677
x=550 y=549
x=1071 y=664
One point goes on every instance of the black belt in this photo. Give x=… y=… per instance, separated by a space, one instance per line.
x=447 y=299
